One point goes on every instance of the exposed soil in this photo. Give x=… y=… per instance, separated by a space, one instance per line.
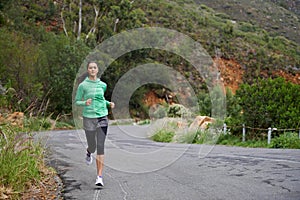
x=50 y=187
x=151 y=98
x=231 y=74
x=294 y=78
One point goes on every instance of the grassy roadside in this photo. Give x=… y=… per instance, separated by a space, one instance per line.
x=287 y=140
x=23 y=172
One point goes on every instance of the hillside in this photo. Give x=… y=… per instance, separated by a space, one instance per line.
x=247 y=39
x=280 y=17
x=242 y=33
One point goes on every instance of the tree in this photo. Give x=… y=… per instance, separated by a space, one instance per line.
x=61 y=61
x=18 y=60
x=270 y=103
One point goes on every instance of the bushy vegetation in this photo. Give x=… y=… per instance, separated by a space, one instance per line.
x=263 y=104
x=163 y=136
x=289 y=140
x=21 y=162
x=266 y=103
x=40 y=63
x=39 y=74
x=286 y=140
x=235 y=140
x=270 y=103
x=207 y=136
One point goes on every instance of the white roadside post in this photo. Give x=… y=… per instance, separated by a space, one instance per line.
x=269 y=135
x=244 y=133
x=225 y=129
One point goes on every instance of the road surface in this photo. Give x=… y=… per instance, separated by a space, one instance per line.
x=139 y=169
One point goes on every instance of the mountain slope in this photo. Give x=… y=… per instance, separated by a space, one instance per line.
x=237 y=41
x=277 y=16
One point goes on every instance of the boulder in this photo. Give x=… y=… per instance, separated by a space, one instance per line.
x=201 y=122
x=15 y=119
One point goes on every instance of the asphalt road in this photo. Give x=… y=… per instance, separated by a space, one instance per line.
x=139 y=169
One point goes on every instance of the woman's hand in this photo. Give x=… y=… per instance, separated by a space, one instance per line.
x=112 y=104
x=88 y=102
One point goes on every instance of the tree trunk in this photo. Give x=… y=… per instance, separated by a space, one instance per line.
x=63 y=22
x=80 y=20
x=115 y=26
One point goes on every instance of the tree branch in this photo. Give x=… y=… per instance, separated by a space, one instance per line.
x=93 y=29
x=63 y=22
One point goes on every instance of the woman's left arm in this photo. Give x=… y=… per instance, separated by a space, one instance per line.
x=110 y=104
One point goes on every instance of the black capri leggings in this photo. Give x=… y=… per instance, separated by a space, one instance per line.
x=96 y=139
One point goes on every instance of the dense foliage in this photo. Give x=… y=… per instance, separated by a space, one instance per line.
x=287 y=140
x=270 y=103
x=38 y=71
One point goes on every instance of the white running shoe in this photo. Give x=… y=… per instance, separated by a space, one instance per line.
x=99 y=181
x=88 y=158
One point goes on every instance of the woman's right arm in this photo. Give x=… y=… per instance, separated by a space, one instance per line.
x=79 y=97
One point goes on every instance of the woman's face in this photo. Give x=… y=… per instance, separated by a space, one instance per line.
x=92 y=69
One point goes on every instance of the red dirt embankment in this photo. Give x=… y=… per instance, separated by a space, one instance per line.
x=231 y=76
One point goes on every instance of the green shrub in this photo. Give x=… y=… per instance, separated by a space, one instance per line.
x=188 y=138
x=209 y=136
x=247 y=27
x=234 y=140
x=160 y=112
x=228 y=139
x=178 y=110
x=270 y=103
x=287 y=140
x=144 y=122
x=163 y=136
x=37 y=123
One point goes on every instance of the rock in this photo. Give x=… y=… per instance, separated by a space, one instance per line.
x=15 y=119
x=201 y=122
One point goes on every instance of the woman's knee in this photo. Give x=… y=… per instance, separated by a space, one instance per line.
x=101 y=136
x=91 y=141
x=100 y=149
